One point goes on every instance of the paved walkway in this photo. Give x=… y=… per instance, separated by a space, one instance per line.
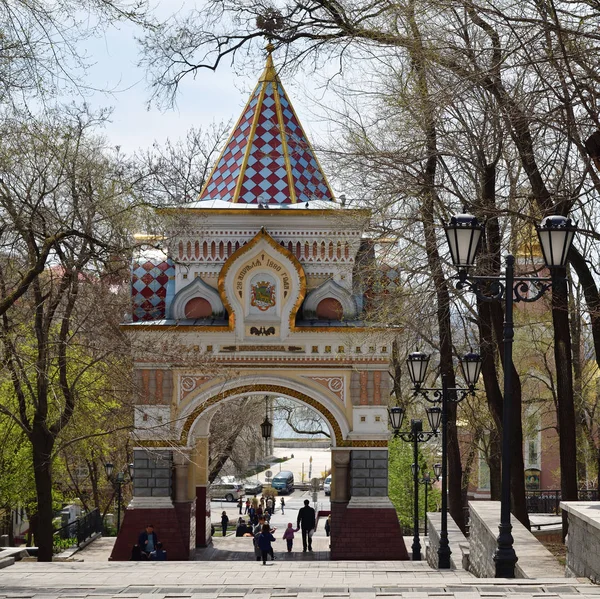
x=303 y=580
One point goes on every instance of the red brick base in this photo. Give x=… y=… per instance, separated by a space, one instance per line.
x=175 y=528
x=203 y=536
x=366 y=534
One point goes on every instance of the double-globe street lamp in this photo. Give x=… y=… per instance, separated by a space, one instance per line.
x=470 y=365
x=118 y=481
x=415 y=436
x=464 y=234
x=427 y=482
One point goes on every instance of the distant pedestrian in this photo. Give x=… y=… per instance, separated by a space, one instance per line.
x=224 y=522
x=282 y=502
x=147 y=541
x=270 y=505
x=248 y=504
x=328 y=525
x=306 y=521
x=262 y=502
x=259 y=512
x=288 y=535
x=264 y=544
x=240 y=505
x=255 y=502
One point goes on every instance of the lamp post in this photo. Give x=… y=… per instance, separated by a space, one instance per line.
x=118 y=481
x=266 y=428
x=426 y=482
x=415 y=436
x=417 y=363
x=464 y=235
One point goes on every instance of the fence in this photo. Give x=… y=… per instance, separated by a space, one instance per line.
x=548 y=501
x=77 y=532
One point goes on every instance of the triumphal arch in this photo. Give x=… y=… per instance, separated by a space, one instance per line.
x=255 y=291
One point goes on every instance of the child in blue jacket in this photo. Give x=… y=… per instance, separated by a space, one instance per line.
x=265 y=538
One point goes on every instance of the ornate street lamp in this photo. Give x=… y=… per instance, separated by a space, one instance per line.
x=118 y=481
x=427 y=482
x=464 y=235
x=555 y=235
x=415 y=436
x=266 y=428
x=470 y=365
x=417 y=363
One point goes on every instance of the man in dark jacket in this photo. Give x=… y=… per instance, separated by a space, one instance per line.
x=148 y=541
x=306 y=522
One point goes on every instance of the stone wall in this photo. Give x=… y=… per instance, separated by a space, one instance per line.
x=583 y=540
x=456 y=539
x=152 y=473
x=535 y=561
x=369 y=473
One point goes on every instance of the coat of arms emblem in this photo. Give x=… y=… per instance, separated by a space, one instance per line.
x=262 y=295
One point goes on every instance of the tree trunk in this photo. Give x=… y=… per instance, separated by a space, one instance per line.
x=495 y=453
x=42 y=443
x=428 y=125
x=564 y=387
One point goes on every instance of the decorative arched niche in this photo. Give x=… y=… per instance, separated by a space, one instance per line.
x=197 y=300
x=329 y=301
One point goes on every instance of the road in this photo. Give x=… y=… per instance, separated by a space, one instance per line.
x=301 y=464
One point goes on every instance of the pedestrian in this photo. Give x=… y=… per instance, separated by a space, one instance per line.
x=328 y=525
x=248 y=504
x=224 y=522
x=270 y=505
x=147 y=541
x=282 y=502
x=241 y=528
x=259 y=512
x=159 y=554
x=240 y=505
x=306 y=521
x=288 y=535
x=265 y=538
x=255 y=502
x=262 y=502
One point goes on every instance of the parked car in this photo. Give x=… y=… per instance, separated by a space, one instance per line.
x=327 y=485
x=253 y=488
x=227 y=491
x=283 y=482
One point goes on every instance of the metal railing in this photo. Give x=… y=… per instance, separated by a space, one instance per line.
x=547 y=501
x=79 y=531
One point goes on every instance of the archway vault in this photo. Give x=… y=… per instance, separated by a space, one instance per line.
x=255 y=389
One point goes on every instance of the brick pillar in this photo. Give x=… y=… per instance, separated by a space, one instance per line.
x=369 y=509
x=203 y=536
x=152 y=504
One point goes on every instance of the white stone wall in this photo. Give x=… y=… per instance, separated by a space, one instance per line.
x=534 y=560
x=583 y=540
x=456 y=541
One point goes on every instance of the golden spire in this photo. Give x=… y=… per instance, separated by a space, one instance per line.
x=269 y=74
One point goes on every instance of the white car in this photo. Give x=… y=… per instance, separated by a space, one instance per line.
x=327 y=485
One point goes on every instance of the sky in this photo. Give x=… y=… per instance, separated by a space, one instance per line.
x=207 y=98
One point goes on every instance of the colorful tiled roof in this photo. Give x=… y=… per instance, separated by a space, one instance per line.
x=268 y=158
x=152 y=287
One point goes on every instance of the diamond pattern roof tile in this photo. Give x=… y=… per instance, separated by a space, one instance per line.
x=268 y=158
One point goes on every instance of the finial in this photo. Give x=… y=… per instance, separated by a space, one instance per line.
x=269 y=74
